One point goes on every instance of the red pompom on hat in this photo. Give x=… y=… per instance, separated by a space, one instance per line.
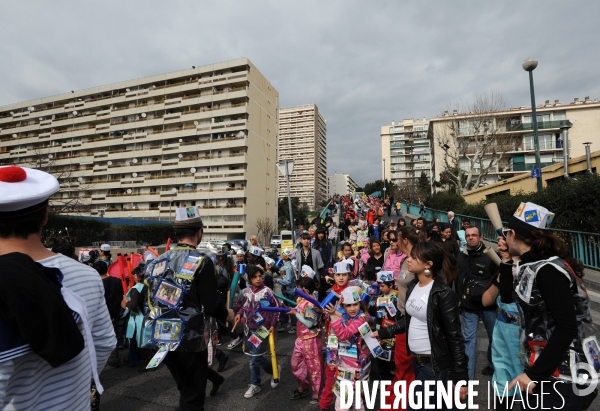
x=22 y=188
x=12 y=174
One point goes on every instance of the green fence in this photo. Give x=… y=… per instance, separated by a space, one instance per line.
x=584 y=246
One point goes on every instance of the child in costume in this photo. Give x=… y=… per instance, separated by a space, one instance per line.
x=341 y=277
x=384 y=311
x=258 y=325
x=352 y=354
x=306 y=358
x=348 y=256
x=288 y=287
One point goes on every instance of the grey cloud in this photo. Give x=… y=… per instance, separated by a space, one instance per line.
x=363 y=63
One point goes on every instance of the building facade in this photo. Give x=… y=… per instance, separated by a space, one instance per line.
x=406 y=151
x=341 y=184
x=303 y=138
x=204 y=136
x=516 y=141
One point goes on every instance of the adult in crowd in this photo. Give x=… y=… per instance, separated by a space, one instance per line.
x=385 y=240
x=188 y=364
x=388 y=207
x=421 y=223
x=449 y=244
x=63 y=245
x=333 y=235
x=393 y=255
x=375 y=261
x=298 y=232
x=312 y=258
x=54 y=370
x=398 y=208
x=554 y=307
x=105 y=254
x=375 y=229
x=475 y=272
x=328 y=220
x=401 y=222
x=324 y=247
x=432 y=320
x=453 y=223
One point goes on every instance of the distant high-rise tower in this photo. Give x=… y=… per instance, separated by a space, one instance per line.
x=303 y=138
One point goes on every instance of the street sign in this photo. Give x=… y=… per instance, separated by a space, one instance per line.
x=536 y=172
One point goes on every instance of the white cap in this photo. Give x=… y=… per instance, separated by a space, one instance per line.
x=23 y=187
x=341 y=267
x=105 y=247
x=307 y=272
x=239 y=252
x=351 y=295
x=270 y=261
x=385 y=276
x=256 y=250
x=534 y=215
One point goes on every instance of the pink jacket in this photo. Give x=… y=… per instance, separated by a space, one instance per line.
x=393 y=261
x=345 y=331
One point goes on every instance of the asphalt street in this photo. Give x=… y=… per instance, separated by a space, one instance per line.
x=128 y=389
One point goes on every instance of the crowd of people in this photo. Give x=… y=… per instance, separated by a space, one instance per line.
x=399 y=301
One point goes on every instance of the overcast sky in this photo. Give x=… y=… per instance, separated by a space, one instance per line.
x=364 y=63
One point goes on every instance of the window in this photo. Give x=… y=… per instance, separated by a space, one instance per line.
x=559 y=115
x=463 y=163
x=545 y=141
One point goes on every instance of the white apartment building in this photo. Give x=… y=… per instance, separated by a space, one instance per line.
x=406 y=151
x=341 y=184
x=515 y=126
x=203 y=136
x=303 y=138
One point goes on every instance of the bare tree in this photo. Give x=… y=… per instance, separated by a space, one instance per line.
x=266 y=228
x=72 y=195
x=474 y=143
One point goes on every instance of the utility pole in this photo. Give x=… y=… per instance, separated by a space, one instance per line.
x=286 y=167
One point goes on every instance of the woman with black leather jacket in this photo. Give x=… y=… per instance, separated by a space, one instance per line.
x=432 y=320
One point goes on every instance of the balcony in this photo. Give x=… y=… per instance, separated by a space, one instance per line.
x=541 y=125
x=529 y=166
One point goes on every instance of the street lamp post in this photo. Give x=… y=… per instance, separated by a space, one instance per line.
x=286 y=167
x=529 y=65
x=384 y=178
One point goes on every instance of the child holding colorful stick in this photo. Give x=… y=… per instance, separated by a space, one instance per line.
x=353 y=362
x=306 y=358
x=258 y=325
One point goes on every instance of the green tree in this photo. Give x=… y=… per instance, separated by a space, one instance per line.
x=390 y=188
x=299 y=210
x=423 y=187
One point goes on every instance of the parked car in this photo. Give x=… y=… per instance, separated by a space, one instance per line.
x=276 y=241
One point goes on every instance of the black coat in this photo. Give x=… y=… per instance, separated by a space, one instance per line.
x=475 y=273
x=444 y=327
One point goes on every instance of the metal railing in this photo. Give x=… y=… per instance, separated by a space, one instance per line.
x=584 y=246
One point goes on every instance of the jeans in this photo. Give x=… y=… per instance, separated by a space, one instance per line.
x=257 y=362
x=397 y=212
x=424 y=372
x=470 y=323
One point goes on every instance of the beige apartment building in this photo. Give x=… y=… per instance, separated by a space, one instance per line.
x=515 y=128
x=406 y=151
x=303 y=138
x=341 y=184
x=204 y=136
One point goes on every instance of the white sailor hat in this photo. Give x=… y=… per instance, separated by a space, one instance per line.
x=385 y=276
x=24 y=190
x=256 y=250
x=239 y=252
x=307 y=272
x=351 y=295
x=270 y=261
x=188 y=217
x=105 y=247
x=341 y=267
x=530 y=216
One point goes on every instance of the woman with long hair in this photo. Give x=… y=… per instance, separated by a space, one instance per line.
x=554 y=308
x=432 y=321
x=393 y=255
x=449 y=243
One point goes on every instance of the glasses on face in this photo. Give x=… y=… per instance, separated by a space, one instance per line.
x=505 y=231
x=392 y=239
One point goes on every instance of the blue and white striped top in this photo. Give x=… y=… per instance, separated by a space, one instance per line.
x=30 y=383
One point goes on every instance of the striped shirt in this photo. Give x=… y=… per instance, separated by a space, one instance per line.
x=30 y=383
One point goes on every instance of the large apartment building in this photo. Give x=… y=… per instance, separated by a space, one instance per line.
x=303 y=138
x=514 y=128
x=204 y=136
x=341 y=184
x=406 y=151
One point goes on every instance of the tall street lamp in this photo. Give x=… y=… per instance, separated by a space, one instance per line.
x=384 y=178
x=529 y=65
x=411 y=143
